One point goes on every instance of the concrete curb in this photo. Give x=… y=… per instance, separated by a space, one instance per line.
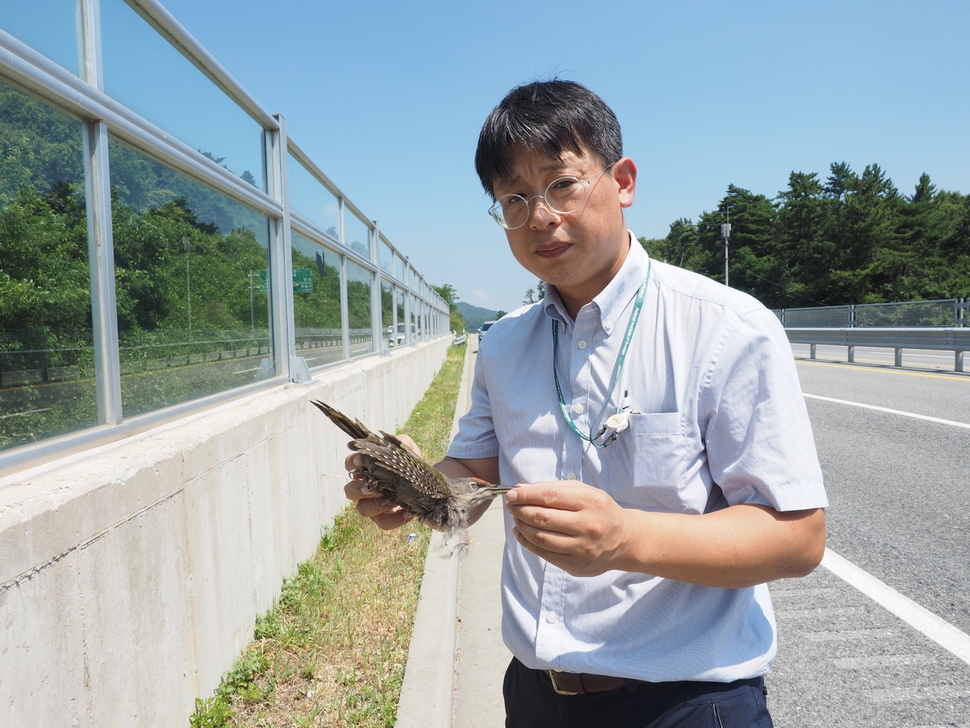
x=428 y=689
x=427 y=695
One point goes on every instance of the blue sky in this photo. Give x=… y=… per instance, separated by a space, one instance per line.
x=388 y=98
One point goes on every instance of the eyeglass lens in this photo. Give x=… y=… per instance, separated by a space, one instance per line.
x=563 y=195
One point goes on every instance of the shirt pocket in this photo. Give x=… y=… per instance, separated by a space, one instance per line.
x=648 y=463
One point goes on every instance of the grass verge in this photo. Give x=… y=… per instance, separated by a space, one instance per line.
x=333 y=651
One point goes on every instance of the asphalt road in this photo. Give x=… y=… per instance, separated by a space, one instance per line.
x=897 y=486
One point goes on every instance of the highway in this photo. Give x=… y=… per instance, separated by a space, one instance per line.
x=879 y=635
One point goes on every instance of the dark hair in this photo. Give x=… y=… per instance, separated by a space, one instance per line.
x=548 y=117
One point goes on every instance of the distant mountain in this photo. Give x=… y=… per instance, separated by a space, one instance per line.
x=474 y=316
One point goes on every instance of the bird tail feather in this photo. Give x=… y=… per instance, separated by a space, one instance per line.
x=355 y=428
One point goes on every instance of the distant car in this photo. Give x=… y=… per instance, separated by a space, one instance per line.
x=483 y=328
x=398 y=339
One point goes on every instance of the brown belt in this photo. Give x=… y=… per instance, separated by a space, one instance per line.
x=573 y=683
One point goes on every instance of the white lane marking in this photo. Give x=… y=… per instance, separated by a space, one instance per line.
x=952 y=423
x=872 y=661
x=920 y=618
x=925 y=693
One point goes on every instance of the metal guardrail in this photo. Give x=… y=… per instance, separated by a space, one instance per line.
x=460 y=340
x=952 y=339
x=899 y=314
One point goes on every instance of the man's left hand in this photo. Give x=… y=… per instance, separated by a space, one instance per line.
x=574 y=526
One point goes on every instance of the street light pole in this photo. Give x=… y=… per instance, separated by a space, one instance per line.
x=252 y=303
x=726 y=235
x=187 y=245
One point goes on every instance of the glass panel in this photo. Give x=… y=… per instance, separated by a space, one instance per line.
x=190 y=275
x=147 y=74
x=401 y=318
x=358 y=309
x=312 y=200
x=47 y=26
x=386 y=257
x=316 y=305
x=390 y=325
x=357 y=234
x=46 y=347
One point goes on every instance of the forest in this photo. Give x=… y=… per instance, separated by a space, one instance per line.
x=190 y=271
x=850 y=238
x=186 y=257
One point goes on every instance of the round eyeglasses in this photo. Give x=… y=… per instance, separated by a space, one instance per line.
x=563 y=196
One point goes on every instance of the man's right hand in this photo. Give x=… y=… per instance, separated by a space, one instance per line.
x=368 y=500
x=388 y=516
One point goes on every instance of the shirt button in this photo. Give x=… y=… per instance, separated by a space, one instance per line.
x=578 y=409
x=551 y=618
x=608 y=324
x=581 y=344
x=569 y=476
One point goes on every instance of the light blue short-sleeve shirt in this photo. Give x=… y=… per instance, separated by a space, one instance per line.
x=717 y=419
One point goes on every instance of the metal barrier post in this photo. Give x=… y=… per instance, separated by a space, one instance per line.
x=376 y=288
x=282 y=322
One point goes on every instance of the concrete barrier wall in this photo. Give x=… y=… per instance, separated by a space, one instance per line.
x=131 y=575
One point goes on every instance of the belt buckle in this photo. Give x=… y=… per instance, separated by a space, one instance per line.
x=555 y=685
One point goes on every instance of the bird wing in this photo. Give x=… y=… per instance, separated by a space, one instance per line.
x=389 y=454
x=393 y=456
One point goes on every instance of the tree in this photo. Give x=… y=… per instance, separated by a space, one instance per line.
x=929 y=221
x=869 y=241
x=840 y=181
x=448 y=292
x=753 y=247
x=654 y=248
x=681 y=247
x=534 y=295
x=44 y=281
x=800 y=228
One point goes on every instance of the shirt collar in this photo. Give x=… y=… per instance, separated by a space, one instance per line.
x=612 y=300
x=554 y=308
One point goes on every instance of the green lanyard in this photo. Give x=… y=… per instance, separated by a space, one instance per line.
x=627 y=338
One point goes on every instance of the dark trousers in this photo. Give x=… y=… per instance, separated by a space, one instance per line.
x=530 y=702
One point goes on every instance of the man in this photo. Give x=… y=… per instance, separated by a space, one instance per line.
x=656 y=425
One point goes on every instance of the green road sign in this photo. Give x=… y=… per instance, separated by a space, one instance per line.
x=302 y=280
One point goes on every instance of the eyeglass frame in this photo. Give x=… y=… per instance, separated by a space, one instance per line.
x=587 y=183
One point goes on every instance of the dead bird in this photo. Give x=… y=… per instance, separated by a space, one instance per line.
x=406 y=480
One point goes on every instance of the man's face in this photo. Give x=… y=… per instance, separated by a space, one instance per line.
x=579 y=252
